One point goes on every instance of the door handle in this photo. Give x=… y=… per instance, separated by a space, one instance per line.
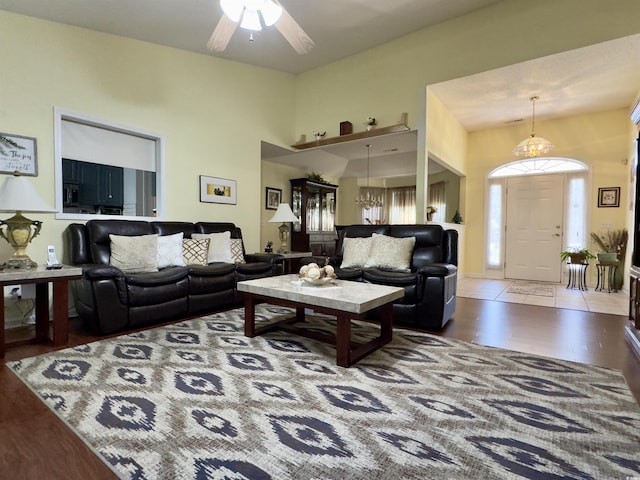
x=556 y=235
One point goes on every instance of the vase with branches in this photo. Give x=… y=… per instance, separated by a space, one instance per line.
x=614 y=241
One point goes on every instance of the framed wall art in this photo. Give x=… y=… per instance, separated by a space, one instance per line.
x=609 y=197
x=272 y=198
x=218 y=190
x=18 y=153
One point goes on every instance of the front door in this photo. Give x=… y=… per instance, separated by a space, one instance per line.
x=533 y=238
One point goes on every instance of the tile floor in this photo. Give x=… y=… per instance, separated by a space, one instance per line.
x=616 y=303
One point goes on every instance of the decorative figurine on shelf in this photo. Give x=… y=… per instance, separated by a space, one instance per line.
x=370 y=123
x=269 y=247
x=457 y=218
x=319 y=135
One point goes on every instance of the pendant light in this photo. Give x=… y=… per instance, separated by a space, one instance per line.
x=368 y=201
x=533 y=146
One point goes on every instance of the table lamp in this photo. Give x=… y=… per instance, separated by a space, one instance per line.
x=284 y=215
x=18 y=195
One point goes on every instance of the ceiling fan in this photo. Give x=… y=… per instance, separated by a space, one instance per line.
x=247 y=14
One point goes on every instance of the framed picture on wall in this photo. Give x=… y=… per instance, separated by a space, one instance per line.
x=217 y=190
x=273 y=197
x=18 y=153
x=609 y=197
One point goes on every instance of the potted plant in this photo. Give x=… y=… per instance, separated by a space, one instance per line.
x=576 y=255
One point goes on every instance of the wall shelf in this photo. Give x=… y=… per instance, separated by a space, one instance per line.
x=376 y=132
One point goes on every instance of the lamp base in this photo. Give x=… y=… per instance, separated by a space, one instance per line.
x=22 y=262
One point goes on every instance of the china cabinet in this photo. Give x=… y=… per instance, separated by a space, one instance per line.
x=315 y=204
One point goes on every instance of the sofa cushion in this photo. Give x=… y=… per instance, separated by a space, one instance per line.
x=356 y=251
x=134 y=254
x=390 y=253
x=219 y=246
x=170 y=251
x=195 y=252
x=237 y=252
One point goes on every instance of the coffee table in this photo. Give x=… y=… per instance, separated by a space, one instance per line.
x=343 y=299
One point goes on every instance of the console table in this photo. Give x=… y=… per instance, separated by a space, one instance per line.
x=42 y=278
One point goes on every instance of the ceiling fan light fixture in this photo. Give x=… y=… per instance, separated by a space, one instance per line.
x=251 y=20
x=533 y=146
x=232 y=9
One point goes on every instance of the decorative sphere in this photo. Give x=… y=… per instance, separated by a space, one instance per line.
x=313 y=265
x=328 y=270
x=303 y=270
x=314 y=273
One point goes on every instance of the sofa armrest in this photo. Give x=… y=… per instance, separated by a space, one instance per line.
x=95 y=272
x=438 y=270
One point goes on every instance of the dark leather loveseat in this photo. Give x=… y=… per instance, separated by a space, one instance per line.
x=430 y=283
x=109 y=300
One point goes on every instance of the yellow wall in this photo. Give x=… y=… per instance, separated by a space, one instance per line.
x=213 y=113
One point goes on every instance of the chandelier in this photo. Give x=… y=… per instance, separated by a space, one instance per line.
x=369 y=201
x=533 y=146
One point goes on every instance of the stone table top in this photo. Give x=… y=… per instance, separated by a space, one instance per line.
x=39 y=273
x=343 y=295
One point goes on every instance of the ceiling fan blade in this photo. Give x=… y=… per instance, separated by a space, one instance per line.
x=294 y=34
x=222 y=34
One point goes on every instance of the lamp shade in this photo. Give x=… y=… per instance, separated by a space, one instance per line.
x=284 y=214
x=17 y=194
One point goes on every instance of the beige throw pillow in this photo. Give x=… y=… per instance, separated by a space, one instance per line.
x=170 y=251
x=355 y=251
x=195 y=252
x=219 y=246
x=134 y=254
x=391 y=253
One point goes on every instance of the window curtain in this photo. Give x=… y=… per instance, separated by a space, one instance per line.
x=437 y=199
x=402 y=205
x=374 y=215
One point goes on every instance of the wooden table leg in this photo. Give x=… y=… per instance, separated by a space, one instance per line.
x=2 y=322
x=249 y=315
x=386 y=323
x=343 y=340
x=42 y=312
x=60 y=312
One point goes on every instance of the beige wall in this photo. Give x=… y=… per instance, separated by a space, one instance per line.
x=213 y=113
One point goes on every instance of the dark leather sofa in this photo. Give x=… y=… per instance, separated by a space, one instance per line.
x=109 y=300
x=430 y=287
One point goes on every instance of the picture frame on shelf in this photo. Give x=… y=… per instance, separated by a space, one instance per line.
x=608 y=197
x=18 y=153
x=273 y=197
x=218 y=190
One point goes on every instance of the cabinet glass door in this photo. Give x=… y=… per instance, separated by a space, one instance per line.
x=328 y=211
x=297 y=208
x=313 y=211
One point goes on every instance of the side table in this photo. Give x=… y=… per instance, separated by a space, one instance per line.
x=606 y=275
x=577 y=275
x=289 y=257
x=42 y=278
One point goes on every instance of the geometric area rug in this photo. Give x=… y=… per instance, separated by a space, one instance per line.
x=199 y=400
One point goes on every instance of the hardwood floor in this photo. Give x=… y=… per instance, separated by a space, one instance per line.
x=35 y=445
